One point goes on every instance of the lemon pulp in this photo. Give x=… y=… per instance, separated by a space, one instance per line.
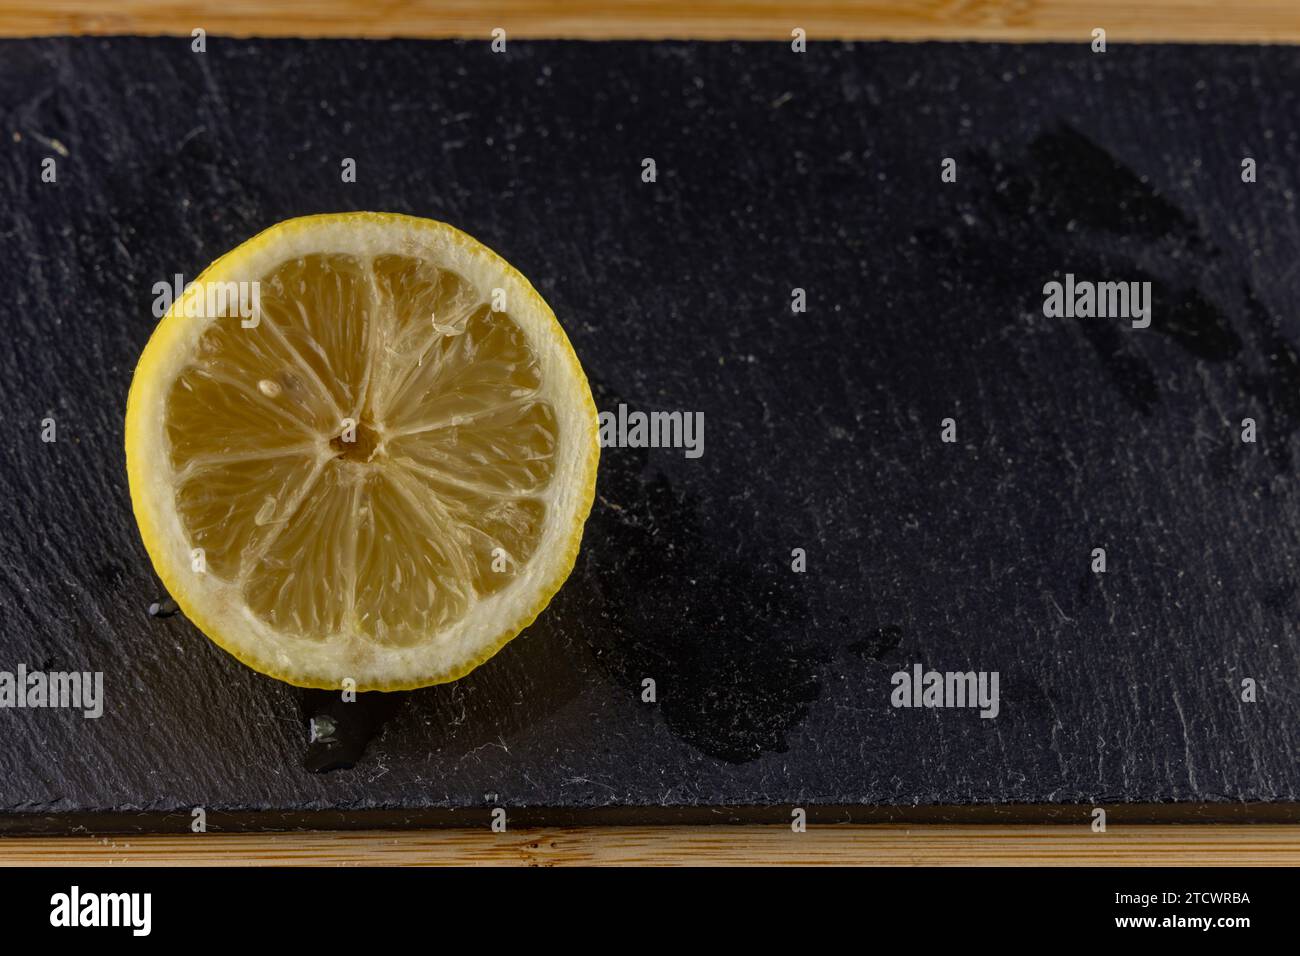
x=364 y=470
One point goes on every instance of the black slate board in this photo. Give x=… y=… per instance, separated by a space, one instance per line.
x=776 y=171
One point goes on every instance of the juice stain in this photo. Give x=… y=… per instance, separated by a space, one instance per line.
x=339 y=731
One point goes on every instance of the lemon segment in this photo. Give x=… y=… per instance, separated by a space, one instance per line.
x=379 y=476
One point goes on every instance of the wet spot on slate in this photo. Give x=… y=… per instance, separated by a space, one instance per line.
x=1280 y=597
x=881 y=642
x=721 y=633
x=339 y=731
x=1194 y=323
x=514 y=692
x=1081 y=183
x=1067 y=205
x=1130 y=374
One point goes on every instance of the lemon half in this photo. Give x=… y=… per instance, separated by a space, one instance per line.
x=381 y=474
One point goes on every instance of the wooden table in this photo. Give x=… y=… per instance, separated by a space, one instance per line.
x=1257 y=21
x=1266 y=21
x=1265 y=845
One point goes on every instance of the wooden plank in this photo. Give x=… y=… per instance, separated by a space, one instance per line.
x=721 y=845
x=1019 y=20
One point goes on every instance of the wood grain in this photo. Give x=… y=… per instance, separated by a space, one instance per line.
x=670 y=846
x=1191 y=20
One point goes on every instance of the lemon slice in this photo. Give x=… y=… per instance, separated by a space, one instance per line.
x=377 y=477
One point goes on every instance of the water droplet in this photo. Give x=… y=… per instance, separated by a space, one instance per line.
x=164 y=608
x=322 y=728
x=340 y=731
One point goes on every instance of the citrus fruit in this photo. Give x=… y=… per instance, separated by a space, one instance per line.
x=376 y=476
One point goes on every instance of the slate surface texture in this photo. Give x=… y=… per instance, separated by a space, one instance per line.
x=776 y=171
